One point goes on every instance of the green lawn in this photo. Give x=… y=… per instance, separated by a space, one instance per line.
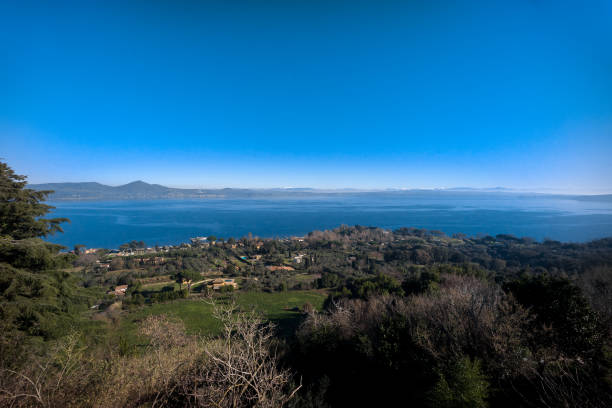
x=279 y=307
x=156 y=286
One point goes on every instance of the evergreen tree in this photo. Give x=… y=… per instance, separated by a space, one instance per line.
x=21 y=208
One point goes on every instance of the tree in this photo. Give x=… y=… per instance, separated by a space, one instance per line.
x=464 y=386
x=212 y=238
x=21 y=208
x=190 y=276
x=560 y=305
x=230 y=269
x=243 y=365
x=187 y=276
x=179 y=277
x=87 y=260
x=308 y=308
x=117 y=264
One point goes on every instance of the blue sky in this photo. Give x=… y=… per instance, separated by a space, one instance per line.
x=330 y=94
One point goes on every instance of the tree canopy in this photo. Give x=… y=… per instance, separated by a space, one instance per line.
x=21 y=208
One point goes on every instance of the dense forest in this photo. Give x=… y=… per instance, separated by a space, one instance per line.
x=410 y=317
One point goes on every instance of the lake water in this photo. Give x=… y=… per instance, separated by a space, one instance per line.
x=109 y=224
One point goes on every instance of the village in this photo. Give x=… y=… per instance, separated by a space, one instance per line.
x=204 y=264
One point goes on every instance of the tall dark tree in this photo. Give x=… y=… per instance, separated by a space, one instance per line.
x=190 y=277
x=21 y=208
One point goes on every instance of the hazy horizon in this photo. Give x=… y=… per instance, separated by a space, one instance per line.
x=500 y=189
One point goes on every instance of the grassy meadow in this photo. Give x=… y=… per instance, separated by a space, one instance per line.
x=281 y=308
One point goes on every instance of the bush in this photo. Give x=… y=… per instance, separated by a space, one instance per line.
x=168 y=296
x=463 y=386
x=572 y=326
x=386 y=342
x=226 y=289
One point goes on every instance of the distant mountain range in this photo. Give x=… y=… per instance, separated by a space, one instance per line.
x=139 y=190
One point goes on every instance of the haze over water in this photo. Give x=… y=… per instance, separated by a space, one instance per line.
x=110 y=223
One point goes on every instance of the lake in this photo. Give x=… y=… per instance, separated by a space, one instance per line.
x=110 y=223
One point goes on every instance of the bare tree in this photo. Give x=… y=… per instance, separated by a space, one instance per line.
x=596 y=284
x=242 y=369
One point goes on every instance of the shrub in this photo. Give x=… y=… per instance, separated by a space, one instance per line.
x=463 y=386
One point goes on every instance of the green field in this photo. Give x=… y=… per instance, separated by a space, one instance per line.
x=279 y=307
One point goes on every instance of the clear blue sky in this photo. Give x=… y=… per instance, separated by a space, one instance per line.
x=327 y=94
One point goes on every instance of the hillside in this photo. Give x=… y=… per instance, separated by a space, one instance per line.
x=136 y=190
x=140 y=190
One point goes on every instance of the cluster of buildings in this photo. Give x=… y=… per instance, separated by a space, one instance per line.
x=214 y=284
x=195 y=241
x=138 y=251
x=205 y=242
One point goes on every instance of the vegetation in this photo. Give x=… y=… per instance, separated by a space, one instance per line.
x=22 y=207
x=357 y=316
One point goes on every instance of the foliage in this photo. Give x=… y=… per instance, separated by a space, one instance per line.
x=133 y=245
x=464 y=386
x=21 y=208
x=453 y=343
x=39 y=303
x=33 y=254
x=366 y=288
x=564 y=318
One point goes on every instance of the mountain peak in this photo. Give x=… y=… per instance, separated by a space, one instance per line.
x=137 y=183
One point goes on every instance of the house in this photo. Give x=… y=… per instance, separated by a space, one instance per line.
x=298 y=258
x=220 y=282
x=158 y=260
x=119 y=290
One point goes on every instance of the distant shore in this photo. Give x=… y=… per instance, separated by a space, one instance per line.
x=139 y=190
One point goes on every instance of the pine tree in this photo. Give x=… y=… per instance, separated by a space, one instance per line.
x=21 y=208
